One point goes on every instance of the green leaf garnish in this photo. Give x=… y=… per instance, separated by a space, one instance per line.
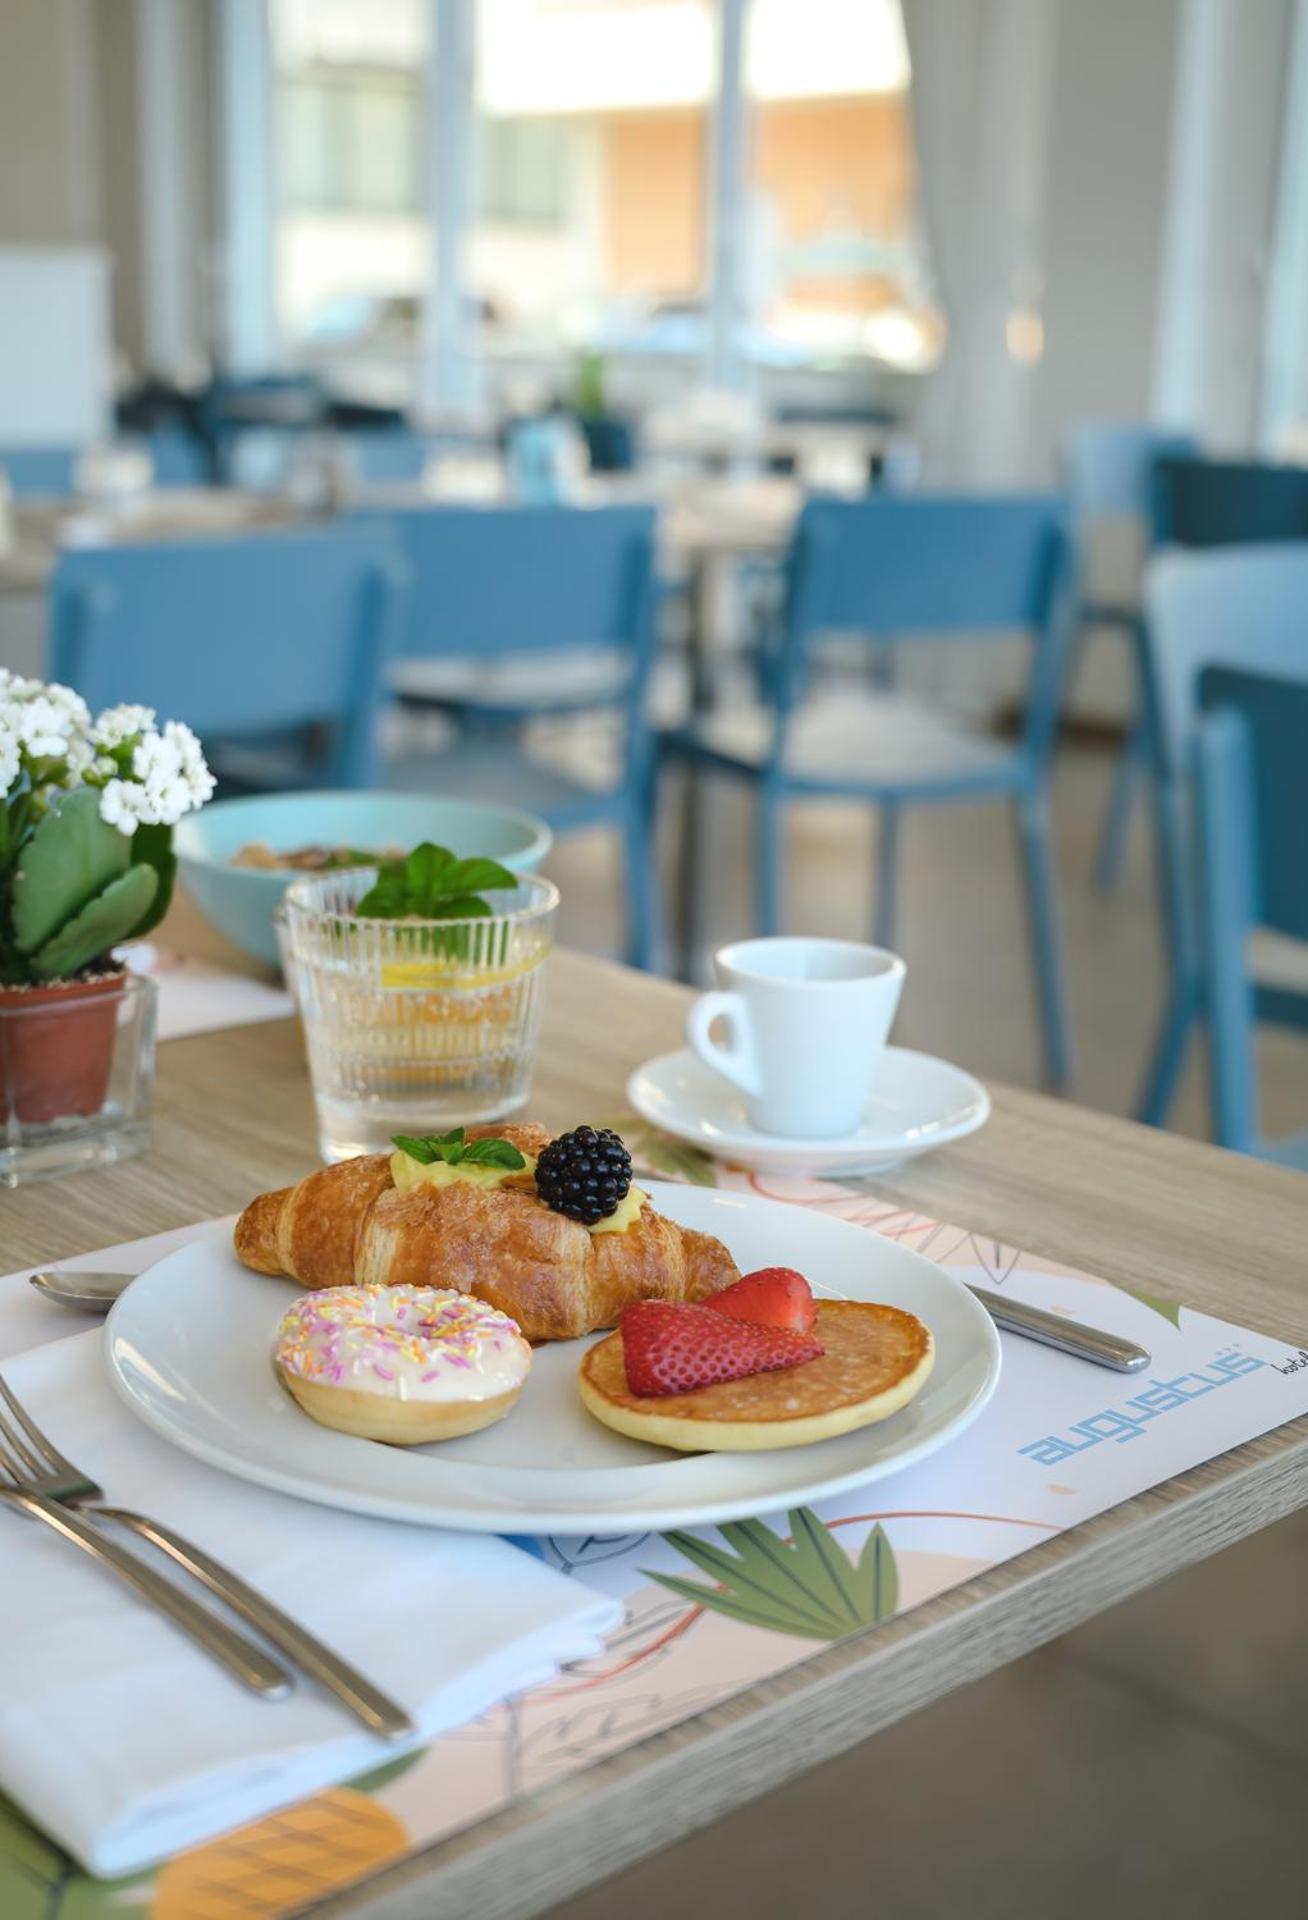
x=431 y=884
x=455 y=1147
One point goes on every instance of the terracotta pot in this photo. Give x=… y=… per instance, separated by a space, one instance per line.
x=57 y=1047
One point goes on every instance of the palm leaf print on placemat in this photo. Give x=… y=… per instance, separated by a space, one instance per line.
x=807 y=1585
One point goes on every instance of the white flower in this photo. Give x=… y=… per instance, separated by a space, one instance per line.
x=117 y=724
x=10 y=759
x=123 y=804
x=195 y=771
x=44 y=726
x=70 y=703
x=14 y=687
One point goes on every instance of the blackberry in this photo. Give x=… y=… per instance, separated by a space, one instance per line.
x=584 y=1174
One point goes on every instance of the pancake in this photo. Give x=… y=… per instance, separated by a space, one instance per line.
x=876 y=1359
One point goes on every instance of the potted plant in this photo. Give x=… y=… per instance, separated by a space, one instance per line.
x=87 y=809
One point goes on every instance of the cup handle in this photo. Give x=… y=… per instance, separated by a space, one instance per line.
x=735 y=1061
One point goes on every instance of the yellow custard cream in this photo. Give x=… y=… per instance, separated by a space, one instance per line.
x=408 y=1173
x=624 y=1215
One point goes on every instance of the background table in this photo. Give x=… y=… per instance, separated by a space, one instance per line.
x=1147 y=1209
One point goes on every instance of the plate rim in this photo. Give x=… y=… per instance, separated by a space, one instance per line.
x=700 y=1512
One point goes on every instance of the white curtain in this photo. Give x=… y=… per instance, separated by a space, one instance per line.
x=982 y=78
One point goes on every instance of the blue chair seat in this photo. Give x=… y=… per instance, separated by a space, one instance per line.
x=513 y=689
x=860 y=744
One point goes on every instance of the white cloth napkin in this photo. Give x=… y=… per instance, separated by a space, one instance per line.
x=124 y=1741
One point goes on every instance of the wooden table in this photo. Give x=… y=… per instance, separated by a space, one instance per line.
x=1147 y=1209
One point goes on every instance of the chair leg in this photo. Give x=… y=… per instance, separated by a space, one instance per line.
x=769 y=851
x=1042 y=913
x=1167 y=1061
x=639 y=852
x=887 y=877
x=1111 y=854
x=690 y=872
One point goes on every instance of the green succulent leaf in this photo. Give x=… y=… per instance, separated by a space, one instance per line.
x=153 y=847
x=71 y=856
x=102 y=923
x=807 y=1586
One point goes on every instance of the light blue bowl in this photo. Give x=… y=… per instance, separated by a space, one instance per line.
x=241 y=901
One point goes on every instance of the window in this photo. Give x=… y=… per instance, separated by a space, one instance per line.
x=835 y=257
x=593 y=119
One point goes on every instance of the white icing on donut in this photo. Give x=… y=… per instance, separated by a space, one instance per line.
x=404 y=1343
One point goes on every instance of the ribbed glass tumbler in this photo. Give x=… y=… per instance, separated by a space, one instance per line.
x=414 y=1026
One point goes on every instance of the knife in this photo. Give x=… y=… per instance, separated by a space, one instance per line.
x=1069 y=1336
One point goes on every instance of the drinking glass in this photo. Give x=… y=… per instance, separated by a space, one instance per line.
x=414 y=1026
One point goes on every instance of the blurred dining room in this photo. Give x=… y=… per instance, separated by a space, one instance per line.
x=653 y=958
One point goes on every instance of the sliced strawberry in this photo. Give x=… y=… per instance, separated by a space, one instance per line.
x=771 y=1297
x=675 y=1349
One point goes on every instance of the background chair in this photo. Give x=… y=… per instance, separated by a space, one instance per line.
x=1225 y=503
x=39 y=471
x=1242 y=610
x=1108 y=470
x=903 y=569
x=508 y=602
x=239 y=638
x=1251 y=779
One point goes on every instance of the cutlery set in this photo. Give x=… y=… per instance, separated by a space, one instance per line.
x=37 y=1479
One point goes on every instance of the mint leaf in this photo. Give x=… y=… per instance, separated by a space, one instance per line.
x=494 y=1153
x=476 y=876
x=448 y=1147
x=419 y=1150
x=430 y=884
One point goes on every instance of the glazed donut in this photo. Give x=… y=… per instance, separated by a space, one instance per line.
x=401 y=1364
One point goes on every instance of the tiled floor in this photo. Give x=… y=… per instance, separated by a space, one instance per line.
x=1154 y=1762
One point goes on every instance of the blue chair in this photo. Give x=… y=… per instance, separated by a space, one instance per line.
x=1108 y=470
x=39 y=471
x=385 y=456
x=1226 y=503
x=241 y=638
x=1251 y=793
x=178 y=459
x=888 y=567
x=534 y=612
x=1239 y=609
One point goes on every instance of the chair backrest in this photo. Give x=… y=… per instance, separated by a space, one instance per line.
x=493 y=580
x=918 y=564
x=1241 y=608
x=1224 y=503
x=1108 y=466
x=274 y=631
x=40 y=470
x=1269 y=758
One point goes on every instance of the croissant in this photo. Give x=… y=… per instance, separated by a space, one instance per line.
x=349 y=1225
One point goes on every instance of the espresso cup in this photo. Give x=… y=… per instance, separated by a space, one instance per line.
x=806 y=1024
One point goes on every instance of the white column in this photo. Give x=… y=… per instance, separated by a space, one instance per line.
x=246 y=179
x=1284 y=398
x=728 y=223
x=1222 y=188
x=448 y=379
x=167 y=187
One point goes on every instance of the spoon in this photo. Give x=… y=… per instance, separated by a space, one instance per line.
x=89 y=1292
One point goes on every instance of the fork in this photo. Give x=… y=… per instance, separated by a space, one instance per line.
x=52 y=1487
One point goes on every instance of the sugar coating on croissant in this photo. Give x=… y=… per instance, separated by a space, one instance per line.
x=349 y=1225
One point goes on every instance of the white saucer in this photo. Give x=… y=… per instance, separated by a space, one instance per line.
x=919 y=1103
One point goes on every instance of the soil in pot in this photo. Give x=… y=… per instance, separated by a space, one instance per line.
x=57 y=1047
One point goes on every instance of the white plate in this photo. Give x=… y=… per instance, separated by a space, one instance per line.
x=919 y=1103
x=189 y=1350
